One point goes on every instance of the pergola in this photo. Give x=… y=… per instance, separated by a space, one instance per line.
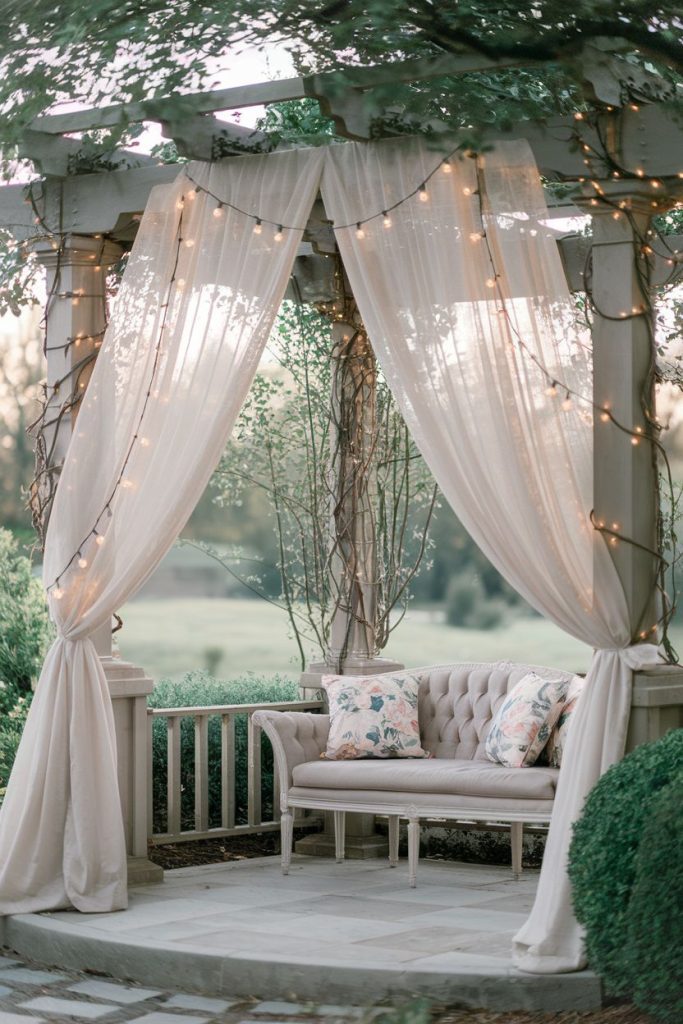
x=628 y=156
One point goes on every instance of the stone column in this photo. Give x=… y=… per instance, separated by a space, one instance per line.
x=625 y=482
x=76 y=275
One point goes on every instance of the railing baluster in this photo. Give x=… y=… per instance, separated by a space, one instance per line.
x=150 y=775
x=201 y=773
x=173 y=775
x=227 y=771
x=253 y=772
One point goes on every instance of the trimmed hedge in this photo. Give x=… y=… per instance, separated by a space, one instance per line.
x=654 y=946
x=198 y=689
x=605 y=857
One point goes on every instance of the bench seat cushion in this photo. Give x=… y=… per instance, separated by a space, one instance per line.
x=428 y=806
x=439 y=776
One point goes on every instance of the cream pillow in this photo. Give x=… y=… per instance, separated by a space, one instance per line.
x=558 y=737
x=374 y=716
x=522 y=724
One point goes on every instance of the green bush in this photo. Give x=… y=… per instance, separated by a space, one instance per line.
x=25 y=629
x=199 y=689
x=11 y=727
x=605 y=848
x=467 y=605
x=653 y=950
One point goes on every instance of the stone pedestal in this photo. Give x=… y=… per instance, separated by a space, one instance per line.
x=656 y=705
x=129 y=688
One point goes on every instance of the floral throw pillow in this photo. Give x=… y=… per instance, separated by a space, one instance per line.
x=558 y=737
x=522 y=724
x=372 y=716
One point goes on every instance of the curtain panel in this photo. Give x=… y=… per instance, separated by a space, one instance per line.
x=467 y=306
x=193 y=313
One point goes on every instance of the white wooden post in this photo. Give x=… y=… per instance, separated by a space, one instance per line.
x=625 y=491
x=75 y=317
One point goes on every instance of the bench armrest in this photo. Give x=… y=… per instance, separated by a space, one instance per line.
x=296 y=736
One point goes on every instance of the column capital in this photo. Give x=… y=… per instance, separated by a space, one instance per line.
x=77 y=250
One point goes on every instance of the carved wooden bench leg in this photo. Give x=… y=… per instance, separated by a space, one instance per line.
x=413 y=850
x=516 y=837
x=339 y=835
x=286 y=838
x=394 y=821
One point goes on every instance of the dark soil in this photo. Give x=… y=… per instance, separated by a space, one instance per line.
x=215 y=851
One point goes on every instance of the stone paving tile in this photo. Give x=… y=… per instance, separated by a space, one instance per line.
x=68 y=1007
x=113 y=991
x=279 y=1008
x=192 y=1002
x=157 y=1017
x=4 y=991
x=6 y=962
x=29 y=976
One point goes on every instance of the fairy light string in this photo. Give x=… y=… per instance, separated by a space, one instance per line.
x=121 y=479
x=620 y=208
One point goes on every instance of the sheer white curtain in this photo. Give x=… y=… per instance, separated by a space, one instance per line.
x=463 y=312
x=193 y=314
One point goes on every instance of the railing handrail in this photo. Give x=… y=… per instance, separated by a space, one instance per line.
x=230 y=709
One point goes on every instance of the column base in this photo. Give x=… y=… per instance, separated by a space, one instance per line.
x=142 y=871
x=321 y=844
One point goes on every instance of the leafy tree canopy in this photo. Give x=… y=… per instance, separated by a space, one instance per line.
x=127 y=50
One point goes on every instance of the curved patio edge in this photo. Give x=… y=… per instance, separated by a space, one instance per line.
x=56 y=944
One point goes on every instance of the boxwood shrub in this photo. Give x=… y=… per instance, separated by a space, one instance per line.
x=654 y=950
x=198 y=689
x=604 y=854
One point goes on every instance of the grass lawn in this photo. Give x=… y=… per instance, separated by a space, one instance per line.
x=170 y=637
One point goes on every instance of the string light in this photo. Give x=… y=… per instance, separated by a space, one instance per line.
x=567 y=404
x=258 y=226
x=218 y=212
x=551 y=390
x=99 y=540
x=446 y=167
x=476 y=236
x=359 y=230
x=386 y=219
x=58 y=593
x=467 y=191
x=145 y=442
x=490 y=282
x=192 y=194
x=189 y=243
x=82 y=563
x=279 y=234
x=423 y=193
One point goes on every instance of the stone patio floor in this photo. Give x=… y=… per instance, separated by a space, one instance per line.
x=344 y=934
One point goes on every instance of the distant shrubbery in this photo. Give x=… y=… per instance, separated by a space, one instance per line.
x=198 y=689
x=626 y=870
x=25 y=634
x=469 y=607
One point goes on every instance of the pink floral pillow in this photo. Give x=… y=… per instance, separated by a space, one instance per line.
x=373 y=716
x=558 y=737
x=522 y=724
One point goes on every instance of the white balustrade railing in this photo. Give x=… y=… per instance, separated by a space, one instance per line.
x=201 y=716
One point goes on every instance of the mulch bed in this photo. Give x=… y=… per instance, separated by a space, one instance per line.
x=216 y=851
x=619 y=1014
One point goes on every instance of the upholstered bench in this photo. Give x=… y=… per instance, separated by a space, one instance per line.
x=456 y=704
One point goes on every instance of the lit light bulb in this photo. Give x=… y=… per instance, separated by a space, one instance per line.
x=640 y=172
x=180 y=205
x=99 y=540
x=144 y=442
x=476 y=236
x=83 y=563
x=126 y=484
x=180 y=283
x=578 y=116
x=615 y=526
x=359 y=230
x=423 y=193
x=58 y=593
x=613 y=541
x=191 y=194
x=616 y=215
x=551 y=391
x=467 y=191
x=386 y=219
x=635 y=441
x=189 y=242
x=218 y=212
x=258 y=227
x=605 y=417
x=567 y=404
x=490 y=282
x=446 y=165
x=279 y=234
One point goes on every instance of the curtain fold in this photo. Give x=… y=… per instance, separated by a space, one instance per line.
x=190 y=322
x=466 y=304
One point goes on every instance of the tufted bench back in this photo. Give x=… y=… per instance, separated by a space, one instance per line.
x=457 y=702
